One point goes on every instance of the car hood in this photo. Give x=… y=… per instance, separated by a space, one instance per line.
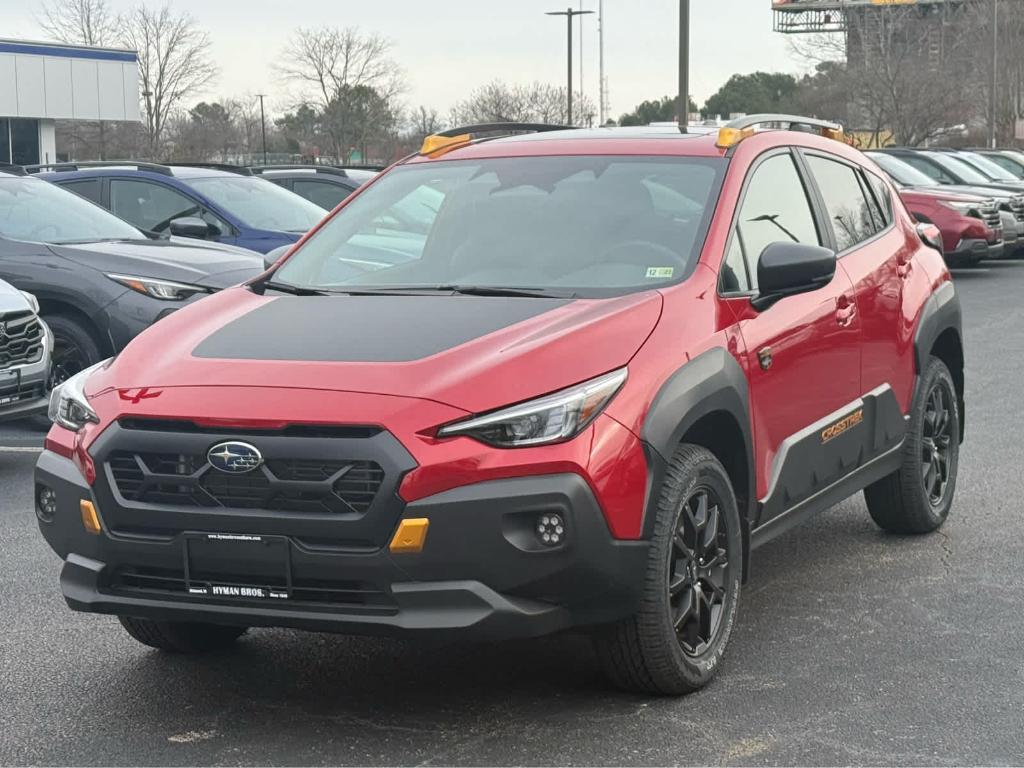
x=939 y=194
x=166 y=260
x=210 y=245
x=473 y=353
x=11 y=299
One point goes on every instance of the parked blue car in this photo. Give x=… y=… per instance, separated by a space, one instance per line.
x=223 y=203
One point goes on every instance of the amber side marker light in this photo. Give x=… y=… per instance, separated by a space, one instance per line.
x=411 y=535
x=90 y=517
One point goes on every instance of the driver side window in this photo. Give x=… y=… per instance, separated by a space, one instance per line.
x=148 y=205
x=775 y=208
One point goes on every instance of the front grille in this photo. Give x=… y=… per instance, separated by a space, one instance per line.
x=141 y=580
x=1016 y=205
x=283 y=485
x=989 y=213
x=21 y=339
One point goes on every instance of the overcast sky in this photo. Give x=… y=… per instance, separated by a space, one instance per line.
x=447 y=48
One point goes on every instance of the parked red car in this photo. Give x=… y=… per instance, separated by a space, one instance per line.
x=971 y=226
x=620 y=360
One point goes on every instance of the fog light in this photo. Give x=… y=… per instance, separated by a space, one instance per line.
x=550 y=529
x=46 y=503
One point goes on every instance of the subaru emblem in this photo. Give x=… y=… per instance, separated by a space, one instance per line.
x=234 y=458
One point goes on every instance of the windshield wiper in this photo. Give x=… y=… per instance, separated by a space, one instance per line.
x=463 y=290
x=295 y=290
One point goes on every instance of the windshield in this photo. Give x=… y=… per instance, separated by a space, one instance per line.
x=35 y=210
x=987 y=167
x=901 y=172
x=581 y=225
x=966 y=173
x=259 y=203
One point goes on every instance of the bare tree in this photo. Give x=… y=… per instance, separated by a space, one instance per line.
x=79 y=22
x=174 y=63
x=533 y=103
x=351 y=80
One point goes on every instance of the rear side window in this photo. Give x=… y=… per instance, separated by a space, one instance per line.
x=848 y=207
x=323 y=193
x=775 y=208
x=90 y=189
x=882 y=196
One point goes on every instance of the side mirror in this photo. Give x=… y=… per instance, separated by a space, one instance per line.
x=786 y=269
x=930 y=235
x=191 y=226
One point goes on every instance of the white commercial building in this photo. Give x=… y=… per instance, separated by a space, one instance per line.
x=44 y=82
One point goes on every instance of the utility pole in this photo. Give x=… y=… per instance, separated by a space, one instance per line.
x=263 y=127
x=992 y=112
x=569 y=14
x=684 y=65
x=602 y=99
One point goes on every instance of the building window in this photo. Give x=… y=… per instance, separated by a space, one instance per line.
x=24 y=142
x=5 y=140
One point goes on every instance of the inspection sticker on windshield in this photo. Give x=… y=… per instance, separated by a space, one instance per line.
x=660 y=273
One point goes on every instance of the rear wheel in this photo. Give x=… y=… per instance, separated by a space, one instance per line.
x=180 y=637
x=675 y=642
x=917 y=497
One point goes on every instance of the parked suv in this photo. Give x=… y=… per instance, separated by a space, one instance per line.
x=99 y=280
x=623 y=359
x=908 y=176
x=25 y=346
x=226 y=204
x=322 y=185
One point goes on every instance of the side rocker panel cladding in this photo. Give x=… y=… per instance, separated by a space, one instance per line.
x=831 y=449
x=712 y=381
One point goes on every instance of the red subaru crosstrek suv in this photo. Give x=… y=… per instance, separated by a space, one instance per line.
x=557 y=379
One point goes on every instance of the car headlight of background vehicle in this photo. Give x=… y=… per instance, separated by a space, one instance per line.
x=69 y=407
x=958 y=206
x=32 y=301
x=549 y=419
x=167 y=290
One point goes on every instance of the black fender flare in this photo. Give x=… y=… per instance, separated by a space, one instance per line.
x=711 y=382
x=940 y=313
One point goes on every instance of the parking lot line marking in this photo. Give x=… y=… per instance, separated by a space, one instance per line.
x=19 y=449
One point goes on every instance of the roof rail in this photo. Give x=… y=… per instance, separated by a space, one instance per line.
x=12 y=168
x=241 y=170
x=454 y=137
x=735 y=131
x=325 y=169
x=86 y=164
x=363 y=167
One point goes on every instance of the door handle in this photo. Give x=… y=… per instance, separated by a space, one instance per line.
x=845 y=310
x=904 y=267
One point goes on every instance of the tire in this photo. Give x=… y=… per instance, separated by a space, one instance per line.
x=74 y=347
x=177 y=637
x=644 y=653
x=912 y=499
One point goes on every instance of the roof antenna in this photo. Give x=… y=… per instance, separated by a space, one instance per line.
x=684 y=65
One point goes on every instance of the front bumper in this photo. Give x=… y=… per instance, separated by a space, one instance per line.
x=482 y=573
x=970 y=250
x=23 y=389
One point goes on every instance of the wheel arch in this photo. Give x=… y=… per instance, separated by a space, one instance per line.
x=706 y=403
x=49 y=305
x=940 y=334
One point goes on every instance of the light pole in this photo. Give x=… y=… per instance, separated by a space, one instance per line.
x=684 y=65
x=569 y=14
x=263 y=127
x=993 y=133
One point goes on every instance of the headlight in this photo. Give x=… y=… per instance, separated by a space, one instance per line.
x=549 y=419
x=958 y=206
x=69 y=407
x=32 y=301
x=159 y=289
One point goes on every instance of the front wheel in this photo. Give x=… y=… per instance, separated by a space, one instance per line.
x=675 y=642
x=74 y=348
x=917 y=497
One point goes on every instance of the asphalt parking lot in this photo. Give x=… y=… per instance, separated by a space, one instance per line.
x=853 y=647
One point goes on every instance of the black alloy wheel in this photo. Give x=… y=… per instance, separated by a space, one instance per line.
x=698 y=572
x=68 y=359
x=936 y=441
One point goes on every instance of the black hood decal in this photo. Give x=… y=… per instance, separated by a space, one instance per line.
x=366 y=329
